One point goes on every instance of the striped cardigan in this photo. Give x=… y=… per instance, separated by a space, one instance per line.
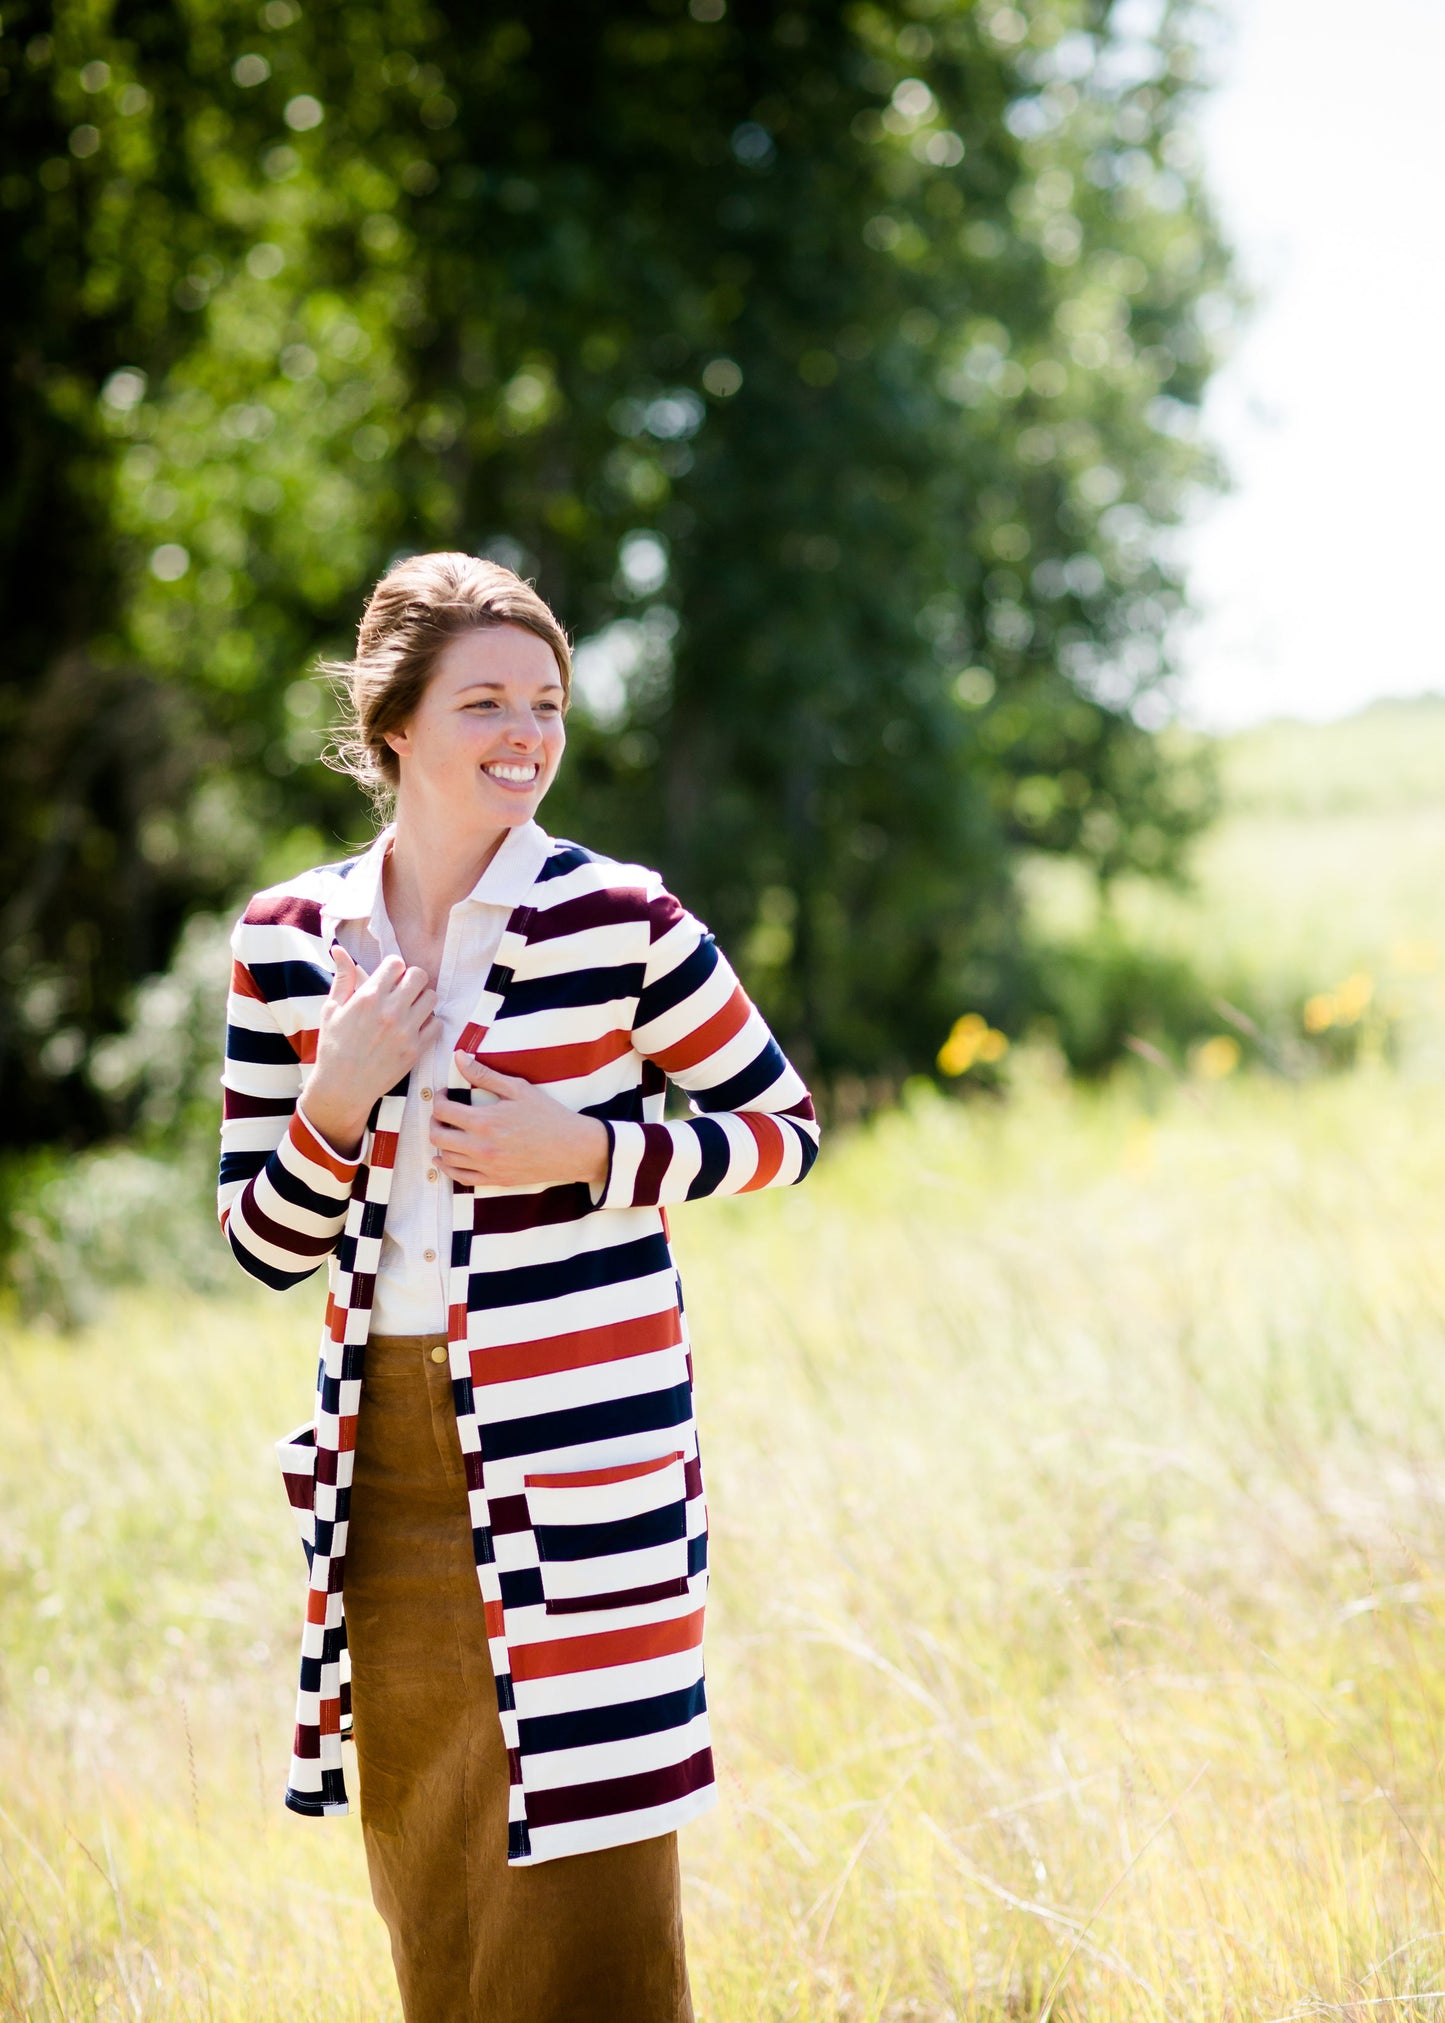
x=570 y=1365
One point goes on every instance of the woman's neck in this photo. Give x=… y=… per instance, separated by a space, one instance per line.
x=430 y=867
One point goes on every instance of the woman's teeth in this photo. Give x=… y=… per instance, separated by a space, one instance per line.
x=522 y=776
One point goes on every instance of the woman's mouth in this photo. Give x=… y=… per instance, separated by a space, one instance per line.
x=515 y=775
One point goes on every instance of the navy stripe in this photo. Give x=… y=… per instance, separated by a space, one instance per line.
x=268 y=1048
x=808 y=1144
x=277 y=980
x=286 y=1184
x=737 y=1092
x=619 y=1534
x=697 y=1554
x=620 y=981
x=612 y=1724
x=679 y=983
x=241 y=1165
x=527 y=1284
x=567 y=857
x=624 y=1107
x=613 y=1419
x=716 y=1153
x=523 y=1589
x=279 y=1281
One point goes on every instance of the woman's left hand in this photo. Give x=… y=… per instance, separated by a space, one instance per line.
x=525 y=1139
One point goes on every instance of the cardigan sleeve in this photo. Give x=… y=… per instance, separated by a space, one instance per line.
x=283 y=1191
x=754 y=1124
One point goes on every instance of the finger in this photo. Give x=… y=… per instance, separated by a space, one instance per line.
x=453 y=1116
x=482 y=1077
x=346 y=977
x=412 y=983
x=387 y=974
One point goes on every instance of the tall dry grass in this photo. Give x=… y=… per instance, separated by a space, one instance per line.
x=1077 y=1643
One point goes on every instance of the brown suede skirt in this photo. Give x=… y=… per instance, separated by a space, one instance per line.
x=591 y=1938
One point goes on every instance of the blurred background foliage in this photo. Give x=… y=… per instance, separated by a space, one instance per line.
x=835 y=370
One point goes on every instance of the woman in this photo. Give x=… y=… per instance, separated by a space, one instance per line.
x=445 y=1078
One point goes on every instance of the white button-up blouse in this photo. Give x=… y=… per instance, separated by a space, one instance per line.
x=411 y=1285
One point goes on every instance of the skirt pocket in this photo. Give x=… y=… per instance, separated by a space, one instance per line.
x=610 y=1538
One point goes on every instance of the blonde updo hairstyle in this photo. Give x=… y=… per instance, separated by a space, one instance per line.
x=417 y=608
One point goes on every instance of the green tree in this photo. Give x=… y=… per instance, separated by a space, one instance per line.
x=835 y=370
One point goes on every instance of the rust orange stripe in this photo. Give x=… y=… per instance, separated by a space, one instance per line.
x=577 y=1350
x=560 y=1064
x=723 y=1026
x=627 y=1471
x=770 y=1147
x=243 y=983
x=310 y=1147
x=607 y=1647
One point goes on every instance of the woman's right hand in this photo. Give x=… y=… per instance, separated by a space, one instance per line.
x=372 y=1029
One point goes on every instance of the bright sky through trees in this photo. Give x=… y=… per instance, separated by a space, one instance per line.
x=1319 y=578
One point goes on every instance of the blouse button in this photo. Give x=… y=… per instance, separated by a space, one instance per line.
x=430 y=1256
x=426 y=1095
x=431 y=1173
x=438 y=1355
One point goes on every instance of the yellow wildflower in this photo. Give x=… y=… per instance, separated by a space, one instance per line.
x=971 y=1039
x=1352 y=998
x=1216 y=1058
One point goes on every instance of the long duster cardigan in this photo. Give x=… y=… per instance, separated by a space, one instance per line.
x=569 y=1357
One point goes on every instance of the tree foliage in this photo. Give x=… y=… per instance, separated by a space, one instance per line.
x=835 y=370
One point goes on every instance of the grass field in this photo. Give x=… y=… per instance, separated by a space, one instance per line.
x=1077 y=1468
x=1327 y=864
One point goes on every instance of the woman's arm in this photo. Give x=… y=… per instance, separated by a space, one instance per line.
x=283 y=1190
x=695 y=1021
x=286 y=1173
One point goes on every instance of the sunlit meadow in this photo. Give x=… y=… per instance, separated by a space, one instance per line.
x=1077 y=1466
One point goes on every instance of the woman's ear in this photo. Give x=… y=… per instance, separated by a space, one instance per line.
x=399 y=741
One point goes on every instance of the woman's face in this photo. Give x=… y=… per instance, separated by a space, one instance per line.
x=485 y=740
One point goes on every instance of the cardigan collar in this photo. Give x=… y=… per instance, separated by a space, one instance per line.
x=506 y=881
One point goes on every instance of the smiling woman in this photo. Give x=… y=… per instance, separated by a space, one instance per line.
x=445 y=1079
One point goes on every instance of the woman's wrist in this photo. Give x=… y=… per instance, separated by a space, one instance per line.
x=595 y=1171
x=341 y=1127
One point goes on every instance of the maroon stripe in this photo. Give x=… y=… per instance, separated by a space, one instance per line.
x=613 y=908
x=625 y=1598
x=803 y=1109
x=653 y=1165
x=508 y=1514
x=509 y=1214
x=234 y=1104
x=285 y=912
x=620 y=1794
x=307 y=1741
x=664 y=914
x=260 y=1224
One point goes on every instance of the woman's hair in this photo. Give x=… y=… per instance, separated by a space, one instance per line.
x=415 y=610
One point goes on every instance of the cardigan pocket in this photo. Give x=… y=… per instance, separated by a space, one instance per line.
x=297 y=1456
x=610 y=1538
